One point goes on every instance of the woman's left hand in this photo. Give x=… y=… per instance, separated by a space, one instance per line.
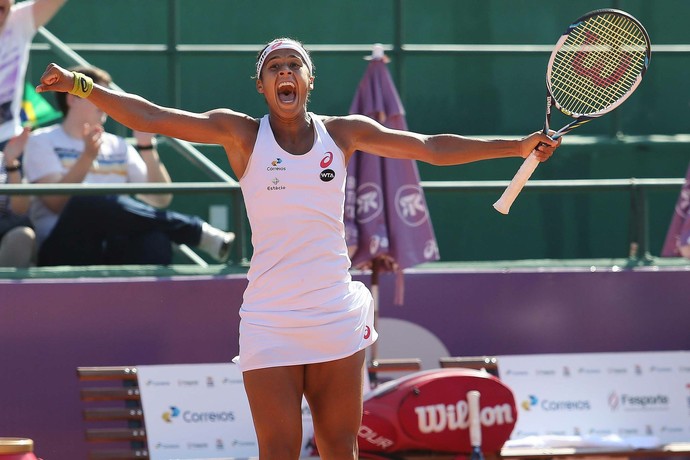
x=15 y=146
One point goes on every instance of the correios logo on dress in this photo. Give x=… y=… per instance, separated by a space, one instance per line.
x=275 y=165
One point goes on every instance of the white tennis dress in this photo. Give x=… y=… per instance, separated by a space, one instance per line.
x=301 y=305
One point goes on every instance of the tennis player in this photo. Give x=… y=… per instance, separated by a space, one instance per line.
x=305 y=323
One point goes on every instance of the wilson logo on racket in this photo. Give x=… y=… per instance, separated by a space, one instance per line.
x=596 y=70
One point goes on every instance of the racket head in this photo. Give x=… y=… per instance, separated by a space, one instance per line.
x=598 y=63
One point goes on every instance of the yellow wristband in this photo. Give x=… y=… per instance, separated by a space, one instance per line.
x=83 y=85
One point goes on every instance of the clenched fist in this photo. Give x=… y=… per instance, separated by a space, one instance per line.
x=55 y=78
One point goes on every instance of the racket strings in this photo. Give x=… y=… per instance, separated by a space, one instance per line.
x=599 y=62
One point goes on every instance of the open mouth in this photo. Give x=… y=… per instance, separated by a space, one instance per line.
x=287 y=92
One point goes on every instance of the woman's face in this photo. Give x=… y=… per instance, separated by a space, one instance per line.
x=285 y=81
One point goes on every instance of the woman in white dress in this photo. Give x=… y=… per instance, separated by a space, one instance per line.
x=305 y=323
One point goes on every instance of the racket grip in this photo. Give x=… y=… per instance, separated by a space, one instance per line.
x=475 y=423
x=513 y=190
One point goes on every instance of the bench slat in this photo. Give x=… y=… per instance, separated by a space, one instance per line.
x=107 y=373
x=110 y=394
x=115 y=434
x=113 y=413
x=395 y=365
x=124 y=454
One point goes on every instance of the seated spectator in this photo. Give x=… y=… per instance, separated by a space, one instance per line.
x=18 y=26
x=16 y=235
x=106 y=230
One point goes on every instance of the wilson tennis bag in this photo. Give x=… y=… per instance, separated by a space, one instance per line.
x=428 y=411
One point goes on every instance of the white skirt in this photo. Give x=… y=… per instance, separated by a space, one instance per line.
x=287 y=338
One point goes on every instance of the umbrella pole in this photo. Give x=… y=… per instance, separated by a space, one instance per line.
x=373 y=349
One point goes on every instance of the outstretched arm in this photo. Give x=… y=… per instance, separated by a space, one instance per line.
x=357 y=132
x=44 y=10
x=219 y=126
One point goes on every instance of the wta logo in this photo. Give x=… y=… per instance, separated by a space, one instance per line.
x=327 y=175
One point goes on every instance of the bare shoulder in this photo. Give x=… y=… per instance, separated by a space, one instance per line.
x=232 y=119
x=346 y=130
x=346 y=122
x=239 y=130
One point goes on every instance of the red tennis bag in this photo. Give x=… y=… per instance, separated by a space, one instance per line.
x=428 y=411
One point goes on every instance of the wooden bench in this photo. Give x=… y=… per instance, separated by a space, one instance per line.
x=113 y=412
x=487 y=363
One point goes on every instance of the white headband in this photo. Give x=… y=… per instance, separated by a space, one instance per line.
x=283 y=43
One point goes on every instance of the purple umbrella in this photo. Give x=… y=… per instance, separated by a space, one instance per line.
x=680 y=223
x=387 y=222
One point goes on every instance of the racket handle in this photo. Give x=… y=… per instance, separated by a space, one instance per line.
x=475 y=423
x=513 y=190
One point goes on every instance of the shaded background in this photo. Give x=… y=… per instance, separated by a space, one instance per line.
x=169 y=52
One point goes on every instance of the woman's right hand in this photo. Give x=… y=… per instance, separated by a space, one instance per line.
x=55 y=78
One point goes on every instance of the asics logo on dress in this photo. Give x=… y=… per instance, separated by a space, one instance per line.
x=327 y=160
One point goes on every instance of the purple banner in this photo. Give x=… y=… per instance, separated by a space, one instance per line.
x=48 y=329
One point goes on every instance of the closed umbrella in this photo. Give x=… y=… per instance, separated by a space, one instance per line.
x=680 y=223
x=387 y=222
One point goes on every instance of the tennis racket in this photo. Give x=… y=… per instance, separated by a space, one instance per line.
x=596 y=65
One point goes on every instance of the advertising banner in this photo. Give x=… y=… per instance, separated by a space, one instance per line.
x=640 y=397
x=195 y=411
